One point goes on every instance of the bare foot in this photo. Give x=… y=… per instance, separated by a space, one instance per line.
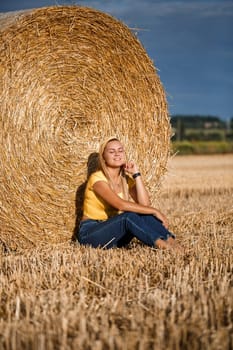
x=161 y=244
x=170 y=244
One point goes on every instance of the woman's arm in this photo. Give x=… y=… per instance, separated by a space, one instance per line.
x=138 y=192
x=102 y=189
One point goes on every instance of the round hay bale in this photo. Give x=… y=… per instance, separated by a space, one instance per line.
x=70 y=76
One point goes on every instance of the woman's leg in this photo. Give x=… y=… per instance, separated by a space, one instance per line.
x=105 y=234
x=122 y=228
x=168 y=241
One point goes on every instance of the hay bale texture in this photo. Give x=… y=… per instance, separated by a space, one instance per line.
x=69 y=77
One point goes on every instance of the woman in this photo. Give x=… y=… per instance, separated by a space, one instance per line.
x=110 y=218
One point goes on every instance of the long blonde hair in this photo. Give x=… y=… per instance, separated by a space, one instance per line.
x=103 y=168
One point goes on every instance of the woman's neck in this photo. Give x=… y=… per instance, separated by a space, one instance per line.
x=114 y=173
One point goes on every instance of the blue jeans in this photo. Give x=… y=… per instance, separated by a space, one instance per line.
x=119 y=230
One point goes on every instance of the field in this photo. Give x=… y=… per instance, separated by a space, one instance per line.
x=70 y=297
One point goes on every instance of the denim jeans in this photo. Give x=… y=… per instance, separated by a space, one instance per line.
x=119 y=230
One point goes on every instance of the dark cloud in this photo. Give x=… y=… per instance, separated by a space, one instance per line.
x=192 y=45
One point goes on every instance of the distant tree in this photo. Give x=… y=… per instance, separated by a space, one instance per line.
x=198 y=127
x=198 y=121
x=231 y=123
x=180 y=130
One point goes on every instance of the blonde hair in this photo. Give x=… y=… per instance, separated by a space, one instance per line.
x=103 y=168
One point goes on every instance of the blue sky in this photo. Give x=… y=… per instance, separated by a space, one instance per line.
x=190 y=42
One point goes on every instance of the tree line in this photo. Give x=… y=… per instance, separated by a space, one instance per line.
x=201 y=128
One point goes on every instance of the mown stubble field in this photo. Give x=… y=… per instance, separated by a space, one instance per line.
x=70 y=297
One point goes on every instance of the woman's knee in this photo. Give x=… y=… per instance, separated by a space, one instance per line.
x=128 y=215
x=132 y=214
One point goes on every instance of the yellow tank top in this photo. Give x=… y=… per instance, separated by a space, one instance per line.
x=95 y=207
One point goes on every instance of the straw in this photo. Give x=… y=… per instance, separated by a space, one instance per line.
x=70 y=76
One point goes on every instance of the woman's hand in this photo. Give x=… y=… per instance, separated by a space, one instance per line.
x=131 y=167
x=162 y=218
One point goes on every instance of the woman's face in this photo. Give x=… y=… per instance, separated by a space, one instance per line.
x=114 y=154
